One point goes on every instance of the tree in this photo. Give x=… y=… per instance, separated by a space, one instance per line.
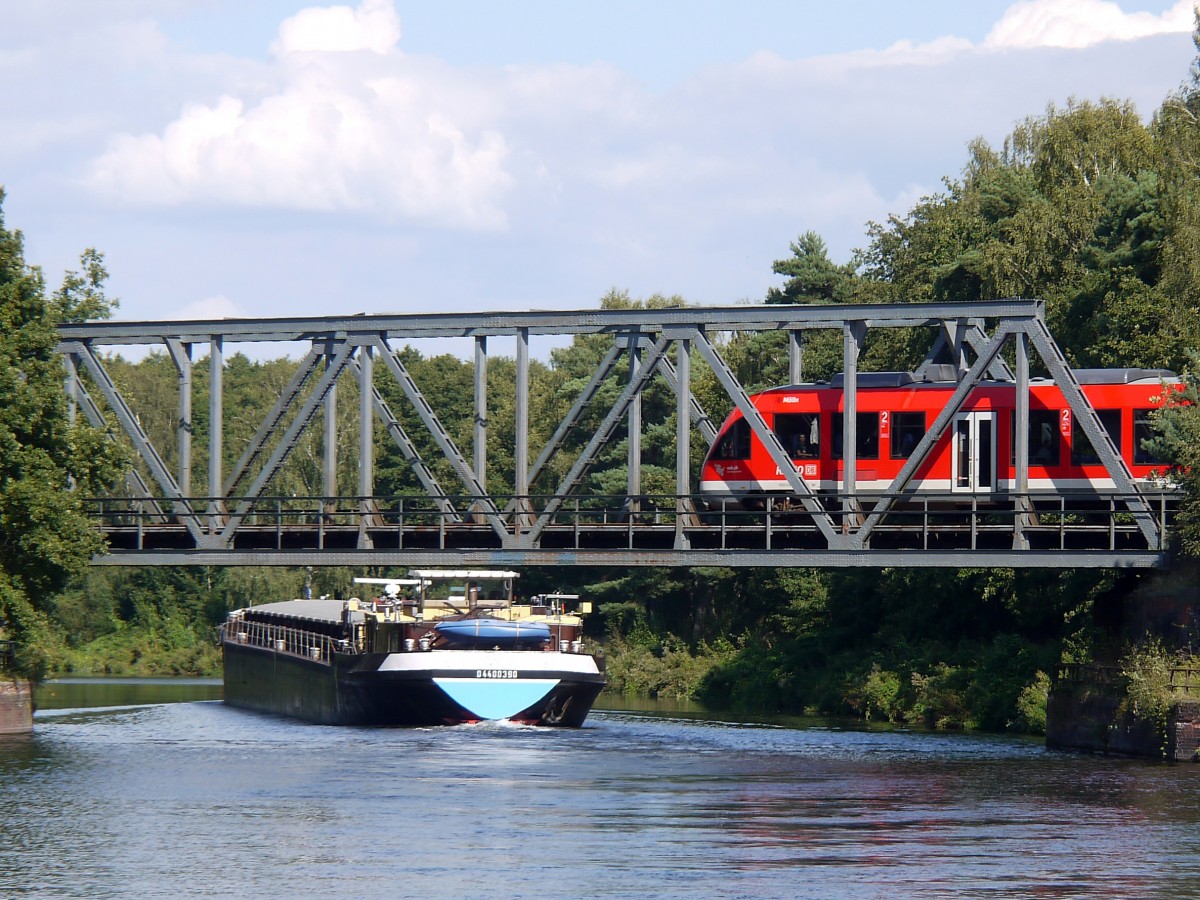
x=1080 y=208
x=1178 y=441
x=812 y=276
x=44 y=535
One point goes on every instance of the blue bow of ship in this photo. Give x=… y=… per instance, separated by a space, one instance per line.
x=438 y=647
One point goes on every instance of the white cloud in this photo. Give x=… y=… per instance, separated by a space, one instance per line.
x=381 y=135
x=373 y=25
x=1081 y=23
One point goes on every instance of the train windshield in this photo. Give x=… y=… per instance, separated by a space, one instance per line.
x=1143 y=433
x=734 y=443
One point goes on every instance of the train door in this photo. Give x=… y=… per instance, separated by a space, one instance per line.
x=973 y=462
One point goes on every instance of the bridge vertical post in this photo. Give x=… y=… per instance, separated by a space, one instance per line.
x=852 y=338
x=366 y=445
x=633 y=482
x=521 y=437
x=479 y=456
x=1021 y=444
x=795 y=357
x=71 y=386
x=329 y=441
x=71 y=389
x=216 y=429
x=181 y=355
x=683 y=433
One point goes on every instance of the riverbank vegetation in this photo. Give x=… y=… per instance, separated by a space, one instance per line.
x=1087 y=206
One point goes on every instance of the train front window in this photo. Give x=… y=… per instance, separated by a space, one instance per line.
x=1082 y=451
x=1143 y=431
x=1044 y=437
x=866 y=444
x=907 y=430
x=734 y=443
x=799 y=433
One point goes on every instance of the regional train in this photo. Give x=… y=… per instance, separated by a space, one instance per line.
x=974 y=457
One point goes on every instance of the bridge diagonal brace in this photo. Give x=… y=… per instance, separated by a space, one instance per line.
x=465 y=472
x=700 y=419
x=967 y=332
x=409 y=451
x=575 y=413
x=1086 y=416
x=987 y=355
x=977 y=339
x=820 y=516
x=288 y=442
x=133 y=478
x=270 y=422
x=587 y=456
x=141 y=441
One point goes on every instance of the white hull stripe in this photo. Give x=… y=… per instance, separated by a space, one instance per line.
x=528 y=663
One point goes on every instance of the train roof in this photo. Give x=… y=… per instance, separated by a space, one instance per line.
x=944 y=374
x=1119 y=376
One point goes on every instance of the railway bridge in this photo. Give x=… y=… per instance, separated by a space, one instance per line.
x=546 y=517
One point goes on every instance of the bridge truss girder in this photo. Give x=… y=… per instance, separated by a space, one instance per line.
x=350 y=346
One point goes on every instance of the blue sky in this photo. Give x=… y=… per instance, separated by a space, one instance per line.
x=291 y=158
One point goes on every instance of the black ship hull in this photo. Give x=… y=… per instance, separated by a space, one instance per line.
x=438 y=687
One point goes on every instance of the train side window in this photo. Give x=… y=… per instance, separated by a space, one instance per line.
x=799 y=433
x=907 y=430
x=867 y=438
x=1082 y=451
x=1045 y=440
x=1143 y=431
x=734 y=443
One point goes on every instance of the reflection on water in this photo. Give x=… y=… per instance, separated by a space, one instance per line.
x=79 y=693
x=195 y=798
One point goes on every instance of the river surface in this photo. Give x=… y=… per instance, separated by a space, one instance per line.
x=156 y=789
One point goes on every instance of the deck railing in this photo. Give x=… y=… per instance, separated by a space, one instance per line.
x=281 y=639
x=944 y=521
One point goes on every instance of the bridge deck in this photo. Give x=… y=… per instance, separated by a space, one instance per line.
x=1084 y=531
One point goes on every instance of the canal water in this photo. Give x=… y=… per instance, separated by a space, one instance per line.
x=156 y=789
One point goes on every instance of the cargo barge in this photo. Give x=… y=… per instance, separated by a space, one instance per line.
x=421 y=653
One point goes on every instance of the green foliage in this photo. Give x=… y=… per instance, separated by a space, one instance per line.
x=44 y=536
x=667 y=667
x=1146 y=672
x=811 y=276
x=1031 y=705
x=1178 y=440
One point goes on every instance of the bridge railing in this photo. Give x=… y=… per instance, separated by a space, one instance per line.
x=928 y=521
x=1183 y=680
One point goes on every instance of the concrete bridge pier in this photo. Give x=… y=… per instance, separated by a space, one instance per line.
x=16 y=696
x=16 y=706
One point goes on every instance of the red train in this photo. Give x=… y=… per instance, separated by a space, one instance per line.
x=975 y=455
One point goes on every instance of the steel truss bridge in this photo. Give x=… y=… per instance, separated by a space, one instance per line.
x=159 y=521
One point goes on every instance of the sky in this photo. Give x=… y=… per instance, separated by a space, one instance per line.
x=284 y=158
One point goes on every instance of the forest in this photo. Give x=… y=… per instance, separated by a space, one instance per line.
x=1088 y=206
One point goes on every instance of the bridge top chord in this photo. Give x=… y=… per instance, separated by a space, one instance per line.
x=544 y=322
